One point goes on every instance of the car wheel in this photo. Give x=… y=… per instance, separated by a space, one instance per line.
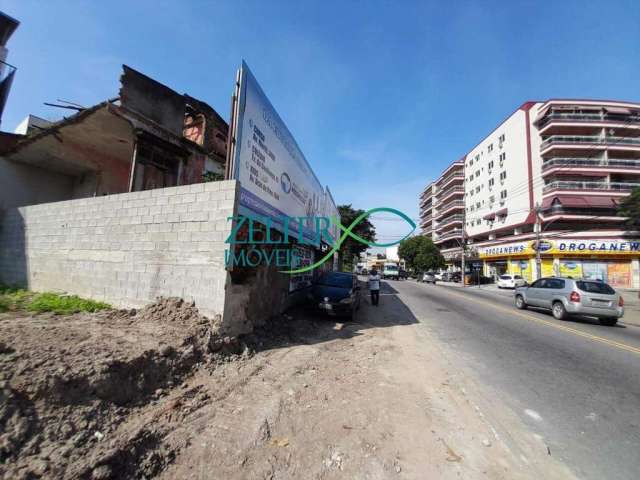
x=520 y=303
x=558 y=311
x=608 y=321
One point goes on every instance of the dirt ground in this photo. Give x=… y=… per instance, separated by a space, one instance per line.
x=160 y=394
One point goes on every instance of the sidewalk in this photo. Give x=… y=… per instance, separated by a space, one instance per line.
x=631 y=300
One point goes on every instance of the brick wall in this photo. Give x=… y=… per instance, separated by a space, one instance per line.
x=125 y=249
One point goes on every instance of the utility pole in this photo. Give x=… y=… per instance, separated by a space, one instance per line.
x=538 y=228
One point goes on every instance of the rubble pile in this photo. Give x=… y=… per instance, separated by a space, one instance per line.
x=83 y=396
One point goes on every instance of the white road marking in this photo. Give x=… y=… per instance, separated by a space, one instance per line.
x=533 y=414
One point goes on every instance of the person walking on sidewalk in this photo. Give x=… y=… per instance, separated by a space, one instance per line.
x=374 y=287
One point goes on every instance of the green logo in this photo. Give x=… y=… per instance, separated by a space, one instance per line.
x=286 y=257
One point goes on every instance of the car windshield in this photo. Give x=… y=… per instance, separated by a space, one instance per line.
x=518 y=277
x=336 y=280
x=595 y=287
x=505 y=277
x=391 y=267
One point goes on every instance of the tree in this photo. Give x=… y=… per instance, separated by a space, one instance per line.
x=420 y=254
x=630 y=207
x=351 y=248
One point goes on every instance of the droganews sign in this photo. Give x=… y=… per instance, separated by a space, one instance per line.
x=573 y=246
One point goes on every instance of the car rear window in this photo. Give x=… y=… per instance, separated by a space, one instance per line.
x=595 y=287
x=518 y=277
x=505 y=277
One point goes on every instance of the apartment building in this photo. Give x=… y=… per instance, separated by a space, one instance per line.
x=560 y=168
x=442 y=212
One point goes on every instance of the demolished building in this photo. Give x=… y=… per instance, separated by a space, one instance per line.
x=147 y=137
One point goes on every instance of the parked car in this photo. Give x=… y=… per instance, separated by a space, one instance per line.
x=429 y=277
x=456 y=277
x=403 y=275
x=566 y=296
x=336 y=293
x=446 y=276
x=438 y=277
x=510 y=281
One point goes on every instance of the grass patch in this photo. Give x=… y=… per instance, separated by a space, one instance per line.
x=52 y=302
x=13 y=299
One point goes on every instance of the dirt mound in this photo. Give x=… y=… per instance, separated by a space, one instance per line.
x=73 y=389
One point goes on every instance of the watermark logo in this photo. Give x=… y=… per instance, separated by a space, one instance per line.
x=261 y=248
x=285 y=182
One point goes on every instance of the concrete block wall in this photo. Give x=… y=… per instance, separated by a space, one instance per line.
x=125 y=249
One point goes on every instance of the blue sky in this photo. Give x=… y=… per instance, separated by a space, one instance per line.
x=380 y=95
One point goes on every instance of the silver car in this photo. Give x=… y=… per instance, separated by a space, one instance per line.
x=567 y=296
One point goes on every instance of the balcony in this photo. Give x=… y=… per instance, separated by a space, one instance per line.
x=450 y=220
x=575 y=185
x=590 y=163
x=452 y=234
x=588 y=118
x=454 y=177
x=589 y=140
x=450 y=193
x=444 y=209
x=426 y=220
x=428 y=192
x=425 y=201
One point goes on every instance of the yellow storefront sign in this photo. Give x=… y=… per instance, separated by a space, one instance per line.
x=563 y=246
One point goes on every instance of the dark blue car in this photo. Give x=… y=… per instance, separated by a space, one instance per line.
x=336 y=293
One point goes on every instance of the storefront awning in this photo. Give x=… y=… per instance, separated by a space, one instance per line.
x=502 y=212
x=489 y=216
x=579 y=201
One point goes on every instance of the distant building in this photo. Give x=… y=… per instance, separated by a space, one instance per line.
x=560 y=167
x=148 y=137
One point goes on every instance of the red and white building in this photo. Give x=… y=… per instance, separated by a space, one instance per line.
x=560 y=166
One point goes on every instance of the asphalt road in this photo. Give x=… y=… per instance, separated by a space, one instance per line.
x=575 y=383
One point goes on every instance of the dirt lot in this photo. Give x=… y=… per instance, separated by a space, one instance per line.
x=160 y=394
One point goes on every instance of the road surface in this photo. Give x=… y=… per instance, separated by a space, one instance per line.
x=574 y=383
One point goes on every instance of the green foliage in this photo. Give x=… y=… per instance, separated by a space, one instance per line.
x=420 y=254
x=51 y=302
x=12 y=299
x=351 y=248
x=630 y=207
x=212 y=176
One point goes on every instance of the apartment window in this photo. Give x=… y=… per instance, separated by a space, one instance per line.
x=477 y=173
x=501 y=139
x=492 y=199
x=503 y=175
x=478 y=205
x=490 y=166
x=478 y=158
x=503 y=194
x=491 y=182
x=478 y=189
x=490 y=148
x=471 y=162
x=471 y=193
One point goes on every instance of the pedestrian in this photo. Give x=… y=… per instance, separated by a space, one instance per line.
x=374 y=287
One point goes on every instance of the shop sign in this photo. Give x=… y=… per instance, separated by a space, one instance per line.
x=563 y=246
